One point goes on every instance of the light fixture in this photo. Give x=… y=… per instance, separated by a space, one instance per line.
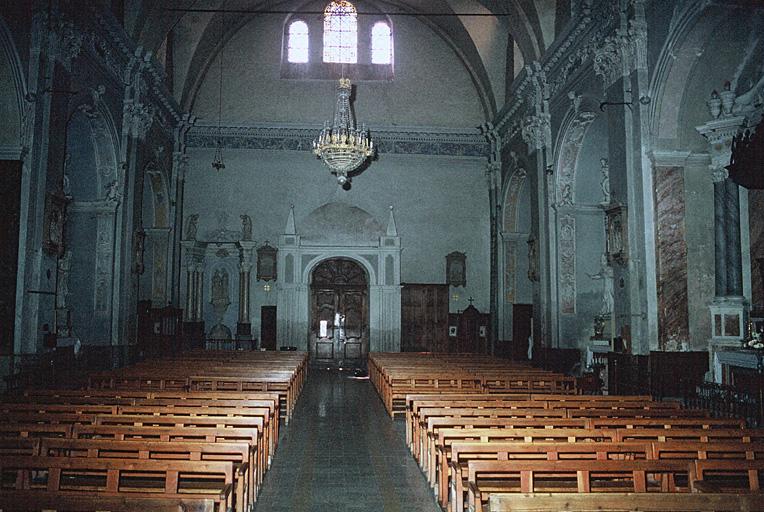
x=217 y=161
x=341 y=146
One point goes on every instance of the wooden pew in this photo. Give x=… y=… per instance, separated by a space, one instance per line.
x=439 y=464
x=463 y=453
x=728 y=476
x=689 y=434
x=250 y=436
x=583 y=476
x=92 y=480
x=625 y=502
x=239 y=454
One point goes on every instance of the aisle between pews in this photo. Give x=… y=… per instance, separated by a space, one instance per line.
x=341 y=452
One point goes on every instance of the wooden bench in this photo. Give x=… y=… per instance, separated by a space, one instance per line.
x=625 y=502
x=724 y=475
x=205 y=485
x=440 y=462
x=463 y=453
x=689 y=434
x=239 y=454
x=583 y=476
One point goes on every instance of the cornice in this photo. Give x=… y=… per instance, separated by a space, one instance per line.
x=389 y=140
x=574 y=49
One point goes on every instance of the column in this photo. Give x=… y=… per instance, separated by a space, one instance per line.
x=246 y=256
x=729 y=309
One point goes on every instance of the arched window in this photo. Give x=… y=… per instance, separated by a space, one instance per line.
x=381 y=44
x=297 y=49
x=340 y=32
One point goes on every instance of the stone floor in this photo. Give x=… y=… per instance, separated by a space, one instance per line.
x=341 y=452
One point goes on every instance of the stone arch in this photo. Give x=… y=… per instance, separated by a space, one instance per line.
x=152 y=243
x=92 y=181
x=371 y=274
x=462 y=44
x=561 y=197
x=92 y=113
x=13 y=105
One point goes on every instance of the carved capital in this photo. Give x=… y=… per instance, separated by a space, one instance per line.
x=608 y=60
x=719 y=174
x=68 y=42
x=537 y=132
x=180 y=163
x=138 y=119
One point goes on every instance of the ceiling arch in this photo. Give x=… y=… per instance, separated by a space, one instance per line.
x=528 y=22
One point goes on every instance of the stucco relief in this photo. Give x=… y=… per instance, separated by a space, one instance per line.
x=571 y=145
x=567 y=253
x=510 y=266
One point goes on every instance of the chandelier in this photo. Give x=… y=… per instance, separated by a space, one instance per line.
x=341 y=146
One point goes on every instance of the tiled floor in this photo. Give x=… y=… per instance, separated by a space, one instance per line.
x=341 y=452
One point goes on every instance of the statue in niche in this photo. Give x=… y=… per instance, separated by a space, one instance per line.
x=605 y=181
x=192 y=226
x=246 y=227
x=62 y=279
x=220 y=293
x=606 y=275
x=113 y=194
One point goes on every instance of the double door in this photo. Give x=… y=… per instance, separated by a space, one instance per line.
x=339 y=325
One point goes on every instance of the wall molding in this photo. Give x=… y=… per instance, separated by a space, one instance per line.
x=389 y=140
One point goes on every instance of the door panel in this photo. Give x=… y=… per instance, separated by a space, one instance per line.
x=339 y=286
x=268 y=327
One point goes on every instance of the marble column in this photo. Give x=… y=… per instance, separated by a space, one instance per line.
x=244 y=324
x=729 y=309
x=199 y=292
x=732 y=228
x=189 y=309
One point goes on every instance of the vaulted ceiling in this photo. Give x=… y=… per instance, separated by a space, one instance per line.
x=480 y=41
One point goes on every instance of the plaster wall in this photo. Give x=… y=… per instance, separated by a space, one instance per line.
x=431 y=86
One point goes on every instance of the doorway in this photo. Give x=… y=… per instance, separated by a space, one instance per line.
x=268 y=327
x=522 y=318
x=339 y=314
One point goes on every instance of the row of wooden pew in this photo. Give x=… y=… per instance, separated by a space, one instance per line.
x=550 y=452
x=138 y=440
x=395 y=375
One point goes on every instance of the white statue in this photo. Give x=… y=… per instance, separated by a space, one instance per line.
x=605 y=182
x=606 y=275
x=191 y=226
x=113 y=194
x=246 y=227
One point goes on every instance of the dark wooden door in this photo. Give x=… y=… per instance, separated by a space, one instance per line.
x=424 y=318
x=339 y=286
x=268 y=327
x=10 y=199
x=522 y=318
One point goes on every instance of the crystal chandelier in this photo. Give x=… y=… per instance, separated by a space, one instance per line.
x=342 y=146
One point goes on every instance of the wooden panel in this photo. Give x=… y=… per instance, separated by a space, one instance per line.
x=424 y=318
x=10 y=199
x=522 y=317
x=268 y=327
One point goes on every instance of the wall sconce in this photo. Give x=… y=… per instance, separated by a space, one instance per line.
x=267 y=287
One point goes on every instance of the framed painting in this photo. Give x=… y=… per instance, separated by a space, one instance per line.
x=456 y=269
x=266 y=262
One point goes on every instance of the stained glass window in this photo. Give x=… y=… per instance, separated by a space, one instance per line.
x=298 y=42
x=381 y=44
x=340 y=32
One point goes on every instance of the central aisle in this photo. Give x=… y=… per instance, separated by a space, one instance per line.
x=341 y=452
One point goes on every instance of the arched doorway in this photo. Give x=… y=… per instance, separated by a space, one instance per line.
x=339 y=313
